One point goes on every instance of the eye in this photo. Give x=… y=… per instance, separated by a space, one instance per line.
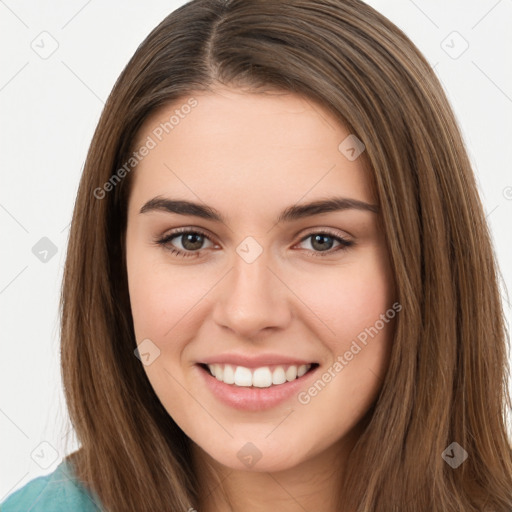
x=323 y=241
x=190 y=242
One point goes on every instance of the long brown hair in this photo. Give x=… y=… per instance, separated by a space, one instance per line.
x=447 y=377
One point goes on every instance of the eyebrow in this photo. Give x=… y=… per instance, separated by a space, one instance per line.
x=289 y=214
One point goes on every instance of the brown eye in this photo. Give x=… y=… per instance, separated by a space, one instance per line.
x=191 y=241
x=184 y=242
x=324 y=242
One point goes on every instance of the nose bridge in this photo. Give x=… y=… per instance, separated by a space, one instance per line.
x=251 y=277
x=251 y=298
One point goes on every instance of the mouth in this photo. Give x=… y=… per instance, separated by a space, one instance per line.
x=270 y=376
x=256 y=383
x=256 y=389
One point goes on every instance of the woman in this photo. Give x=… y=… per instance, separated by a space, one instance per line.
x=280 y=290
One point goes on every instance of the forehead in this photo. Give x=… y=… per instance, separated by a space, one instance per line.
x=260 y=147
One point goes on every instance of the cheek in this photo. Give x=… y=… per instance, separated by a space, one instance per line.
x=164 y=299
x=352 y=306
x=350 y=299
x=150 y=304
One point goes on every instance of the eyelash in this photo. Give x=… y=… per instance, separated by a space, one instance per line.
x=164 y=241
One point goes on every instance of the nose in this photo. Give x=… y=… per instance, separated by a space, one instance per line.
x=251 y=298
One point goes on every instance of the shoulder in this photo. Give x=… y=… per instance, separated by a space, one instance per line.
x=55 y=492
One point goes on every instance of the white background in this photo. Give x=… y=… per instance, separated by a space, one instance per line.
x=49 y=109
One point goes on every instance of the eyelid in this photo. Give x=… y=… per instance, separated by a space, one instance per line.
x=315 y=230
x=187 y=229
x=327 y=231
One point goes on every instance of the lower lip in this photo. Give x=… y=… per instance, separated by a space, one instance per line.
x=253 y=398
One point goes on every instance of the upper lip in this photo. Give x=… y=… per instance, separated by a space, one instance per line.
x=255 y=361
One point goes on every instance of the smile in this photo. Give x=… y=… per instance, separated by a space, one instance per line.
x=262 y=377
x=256 y=389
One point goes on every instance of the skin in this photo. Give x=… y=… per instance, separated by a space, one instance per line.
x=250 y=156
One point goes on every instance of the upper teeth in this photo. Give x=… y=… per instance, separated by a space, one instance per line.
x=262 y=377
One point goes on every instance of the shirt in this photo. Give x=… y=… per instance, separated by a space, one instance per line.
x=59 y=491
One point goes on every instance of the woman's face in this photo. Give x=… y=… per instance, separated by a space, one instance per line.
x=265 y=286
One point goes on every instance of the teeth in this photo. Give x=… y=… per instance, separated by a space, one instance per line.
x=262 y=377
x=291 y=373
x=302 y=370
x=278 y=377
x=243 y=376
x=229 y=374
